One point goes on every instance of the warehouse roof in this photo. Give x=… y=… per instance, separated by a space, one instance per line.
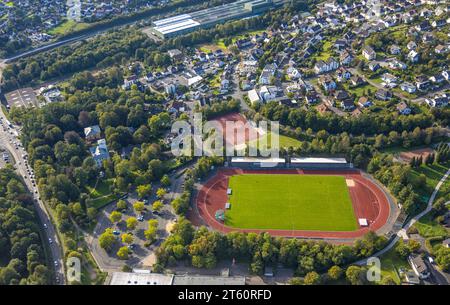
x=170 y=27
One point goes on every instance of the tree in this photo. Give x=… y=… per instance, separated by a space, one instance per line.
x=413 y=245
x=335 y=272
x=107 y=239
x=151 y=233
x=121 y=204
x=144 y=190
x=157 y=206
x=160 y=192
x=312 y=278
x=115 y=217
x=165 y=180
x=138 y=206
x=131 y=223
x=123 y=253
x=127 y=238
x=402 y=249
x=355 y=275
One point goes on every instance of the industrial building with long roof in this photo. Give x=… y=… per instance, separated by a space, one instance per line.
x=185 y=23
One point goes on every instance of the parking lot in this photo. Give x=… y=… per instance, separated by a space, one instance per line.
x=141 y=256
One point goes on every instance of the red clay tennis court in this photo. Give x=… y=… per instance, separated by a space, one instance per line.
x=368 y=200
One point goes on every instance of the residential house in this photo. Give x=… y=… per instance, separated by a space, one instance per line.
x=419 y=266
x=254 y=97
x=422 y=83
x=327 y=82
x=408 y=87
x=403 y=108
x=268 y=93
x=441 y=49
x=92 y=133
x=100 y=152
x=364 y=102
x=369 y=53
x=347 y=104
x=437 y=101
x=326 y=66
x=346 y=58
x=446 y=74
x=383 y=94
x=267 y=73
x=437 y=78
x=395 y=49
x=312 y=97
x=423 y=26
x=439 y=23
x=175 y=54
x=446 y=243
x=342 y=74
x=374 y=66
x=413 y=56
x=388 y=78
x=411 y=45
x=356 y=80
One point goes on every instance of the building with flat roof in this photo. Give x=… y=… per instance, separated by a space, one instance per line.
x=186 y=23
x=146 y=278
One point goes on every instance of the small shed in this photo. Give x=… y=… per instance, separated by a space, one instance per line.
x=227 y=205
x=229 y=192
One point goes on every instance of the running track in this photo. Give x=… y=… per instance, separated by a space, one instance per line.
x=368 y=201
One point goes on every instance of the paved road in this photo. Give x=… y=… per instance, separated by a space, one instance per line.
x=411 y=222
x=7 y=137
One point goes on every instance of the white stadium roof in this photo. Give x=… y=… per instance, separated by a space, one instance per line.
x=319 y=160
x=257 y=160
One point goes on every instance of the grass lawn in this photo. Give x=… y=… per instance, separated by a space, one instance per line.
x=391 y=262
x=101 y=195
x=360 y=90
x=67 y=27
x=428 y=227
x=284 y=141
x=290 y=202
x=434 y=173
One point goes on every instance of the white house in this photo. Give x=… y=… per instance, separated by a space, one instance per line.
x=413 y=56
x=369 y=53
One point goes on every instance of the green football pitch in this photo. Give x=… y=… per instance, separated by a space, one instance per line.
x=290 y=202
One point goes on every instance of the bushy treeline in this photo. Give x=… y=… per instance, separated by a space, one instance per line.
x=204 y=249
x=22 y=257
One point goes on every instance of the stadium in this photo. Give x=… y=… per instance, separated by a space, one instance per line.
x=186 y=23
x=318 y=198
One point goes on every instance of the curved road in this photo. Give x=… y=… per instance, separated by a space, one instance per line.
x=7 y=137
x=411 y=222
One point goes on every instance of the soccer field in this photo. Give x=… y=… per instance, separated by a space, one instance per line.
x=290 y=202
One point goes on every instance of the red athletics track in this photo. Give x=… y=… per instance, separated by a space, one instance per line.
x=368 y=201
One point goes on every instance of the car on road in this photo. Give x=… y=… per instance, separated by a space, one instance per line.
x=430 y=259
x=140 y=218
x=50 y=240
x=45 y=225
x=115 y=232
x=55 y=263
